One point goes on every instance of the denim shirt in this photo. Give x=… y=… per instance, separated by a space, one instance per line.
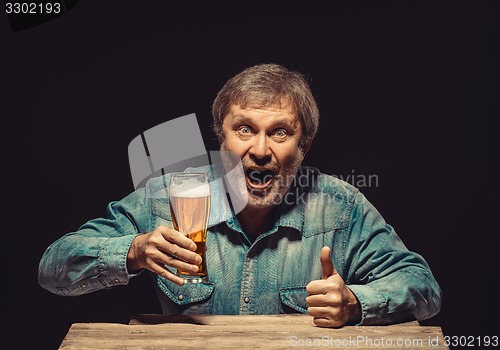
x=268 y=275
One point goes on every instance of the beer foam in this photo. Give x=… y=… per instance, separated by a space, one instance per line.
x=190 y=189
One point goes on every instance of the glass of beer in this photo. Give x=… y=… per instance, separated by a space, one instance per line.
x=190 y=209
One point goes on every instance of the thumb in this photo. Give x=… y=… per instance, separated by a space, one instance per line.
x=326 y=263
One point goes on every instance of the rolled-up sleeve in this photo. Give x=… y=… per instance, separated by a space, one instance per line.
x=391 y=283
x=95 y=256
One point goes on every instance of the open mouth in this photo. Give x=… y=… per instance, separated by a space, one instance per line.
x=259 y=178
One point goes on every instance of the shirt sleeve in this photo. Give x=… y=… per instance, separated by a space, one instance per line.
x=95 y=256
x=391 y=283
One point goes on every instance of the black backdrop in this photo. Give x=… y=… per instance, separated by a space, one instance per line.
x=407 y=91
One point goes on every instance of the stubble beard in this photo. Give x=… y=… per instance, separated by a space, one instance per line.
x=271 y=196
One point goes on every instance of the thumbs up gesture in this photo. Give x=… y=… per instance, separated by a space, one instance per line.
x=330 y=301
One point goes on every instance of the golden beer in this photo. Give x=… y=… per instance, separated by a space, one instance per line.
x=190 y=208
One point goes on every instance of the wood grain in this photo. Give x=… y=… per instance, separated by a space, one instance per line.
x=246 y=332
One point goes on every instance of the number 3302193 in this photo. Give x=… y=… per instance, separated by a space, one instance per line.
x=31 y=7
x=466 y=341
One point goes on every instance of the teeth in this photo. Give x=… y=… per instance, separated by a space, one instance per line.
x=259 y=176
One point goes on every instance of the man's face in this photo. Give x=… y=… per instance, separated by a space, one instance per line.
x=267 y=141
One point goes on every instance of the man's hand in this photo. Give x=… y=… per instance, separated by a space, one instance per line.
x=163 y=246
x=331 y=302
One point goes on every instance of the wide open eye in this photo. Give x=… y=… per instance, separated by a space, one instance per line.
x=244 y=130
x=280 y=133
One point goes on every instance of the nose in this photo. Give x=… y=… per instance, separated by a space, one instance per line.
x=260 y=147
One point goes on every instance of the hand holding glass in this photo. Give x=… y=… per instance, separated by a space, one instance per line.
x=190 y=209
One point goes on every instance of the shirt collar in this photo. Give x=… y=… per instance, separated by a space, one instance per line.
x=290 y=212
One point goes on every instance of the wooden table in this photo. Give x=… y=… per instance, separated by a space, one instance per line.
x=246 y=332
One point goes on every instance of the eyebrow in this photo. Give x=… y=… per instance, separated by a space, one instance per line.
x=239 y=118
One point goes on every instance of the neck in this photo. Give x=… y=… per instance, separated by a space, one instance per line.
x=255 y=221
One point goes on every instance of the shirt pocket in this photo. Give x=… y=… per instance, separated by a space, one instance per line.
x=190 y=298
x=294 y=298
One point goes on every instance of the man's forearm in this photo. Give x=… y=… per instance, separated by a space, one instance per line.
x=77 y=264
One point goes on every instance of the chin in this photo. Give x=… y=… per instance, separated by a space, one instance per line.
x=266 y=201
x=259 y=204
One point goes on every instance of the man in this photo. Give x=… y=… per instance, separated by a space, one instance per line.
x=305 y=242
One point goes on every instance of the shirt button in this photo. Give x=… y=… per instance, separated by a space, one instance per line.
x=246 y=300
x=180 y=297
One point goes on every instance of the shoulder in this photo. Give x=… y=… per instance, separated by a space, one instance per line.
x=328 y=200
x=325 y=185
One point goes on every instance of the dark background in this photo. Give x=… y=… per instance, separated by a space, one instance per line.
x=408 y=91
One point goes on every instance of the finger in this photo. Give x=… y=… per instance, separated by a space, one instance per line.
x=321 y=322
x=326 y=263
x=330 y=299
x=170 y=260
x=317 y=287
x=177 y=237
x=174 y=243
x=326 y=322
x=165 y=273
x=175 y=251
x=319 y=311
x=322 y=287
x=315 y=300
x=326 y=316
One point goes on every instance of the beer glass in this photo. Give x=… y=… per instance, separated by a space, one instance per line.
x=190 y=209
